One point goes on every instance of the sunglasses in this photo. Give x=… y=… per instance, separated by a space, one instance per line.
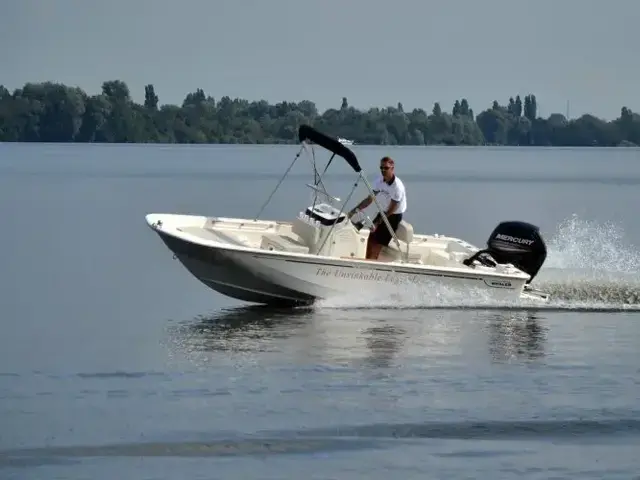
x=383 y=169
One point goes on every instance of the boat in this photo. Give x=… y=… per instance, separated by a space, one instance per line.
x=346 y=141
x=319 y=254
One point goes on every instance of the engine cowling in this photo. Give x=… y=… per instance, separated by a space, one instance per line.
x=517 y=243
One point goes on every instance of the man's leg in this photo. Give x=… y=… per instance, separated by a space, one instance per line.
x=375 y=243
x=371 y=242
x=381 y=237
x=373 y=248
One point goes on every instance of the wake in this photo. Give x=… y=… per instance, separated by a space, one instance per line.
x=589 y=267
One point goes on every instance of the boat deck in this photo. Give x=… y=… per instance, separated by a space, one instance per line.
x=221 y=236
x=424 y=249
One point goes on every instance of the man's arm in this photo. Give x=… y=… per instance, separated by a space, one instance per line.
x=393 y=203
x=393 y=206
x=362 y=205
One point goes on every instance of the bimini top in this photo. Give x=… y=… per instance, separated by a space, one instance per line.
x=306 y=132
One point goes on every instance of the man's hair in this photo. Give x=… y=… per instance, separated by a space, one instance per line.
x=388 y=160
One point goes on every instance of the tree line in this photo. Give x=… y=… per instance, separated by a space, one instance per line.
x=53 y=112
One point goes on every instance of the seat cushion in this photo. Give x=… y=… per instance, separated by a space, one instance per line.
x=405 y=232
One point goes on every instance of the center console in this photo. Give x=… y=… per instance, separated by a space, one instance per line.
x=325 y=214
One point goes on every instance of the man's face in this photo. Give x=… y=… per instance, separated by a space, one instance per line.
x=386 y=169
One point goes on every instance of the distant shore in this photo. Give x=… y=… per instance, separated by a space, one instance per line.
x=50 y=112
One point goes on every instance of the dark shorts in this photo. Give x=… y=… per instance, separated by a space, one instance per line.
x=381 y=234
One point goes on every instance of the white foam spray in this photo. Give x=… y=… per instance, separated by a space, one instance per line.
x=591 y=263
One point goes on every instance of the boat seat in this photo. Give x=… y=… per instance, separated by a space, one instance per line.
x=404 y=232
x=439 y=258
x=307 y=232
x=282 y=243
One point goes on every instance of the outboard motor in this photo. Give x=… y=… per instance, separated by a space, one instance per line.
x=517 y=243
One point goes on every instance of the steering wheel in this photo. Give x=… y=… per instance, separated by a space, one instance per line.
x=365 y=219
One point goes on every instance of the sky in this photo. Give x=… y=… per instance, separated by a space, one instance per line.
x=374 y=52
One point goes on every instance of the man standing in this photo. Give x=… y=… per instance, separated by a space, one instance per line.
x=392 y=196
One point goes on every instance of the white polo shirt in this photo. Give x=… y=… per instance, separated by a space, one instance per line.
x=385 y=193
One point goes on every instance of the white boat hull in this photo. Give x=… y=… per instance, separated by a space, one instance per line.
x=273 y=277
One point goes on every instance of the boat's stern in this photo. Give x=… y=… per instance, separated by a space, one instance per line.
x=534 y=295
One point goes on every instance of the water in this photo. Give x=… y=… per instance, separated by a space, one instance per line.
x=115 y=363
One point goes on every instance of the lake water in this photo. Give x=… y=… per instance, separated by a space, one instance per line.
x=116 y=363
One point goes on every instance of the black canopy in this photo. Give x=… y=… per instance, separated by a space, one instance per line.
x=306 y=132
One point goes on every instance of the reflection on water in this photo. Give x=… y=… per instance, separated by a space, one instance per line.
x=251 y=328
x=377 y=339
x=383 y=345
x=516 y=334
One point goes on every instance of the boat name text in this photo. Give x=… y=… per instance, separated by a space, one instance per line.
x=375 y=276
